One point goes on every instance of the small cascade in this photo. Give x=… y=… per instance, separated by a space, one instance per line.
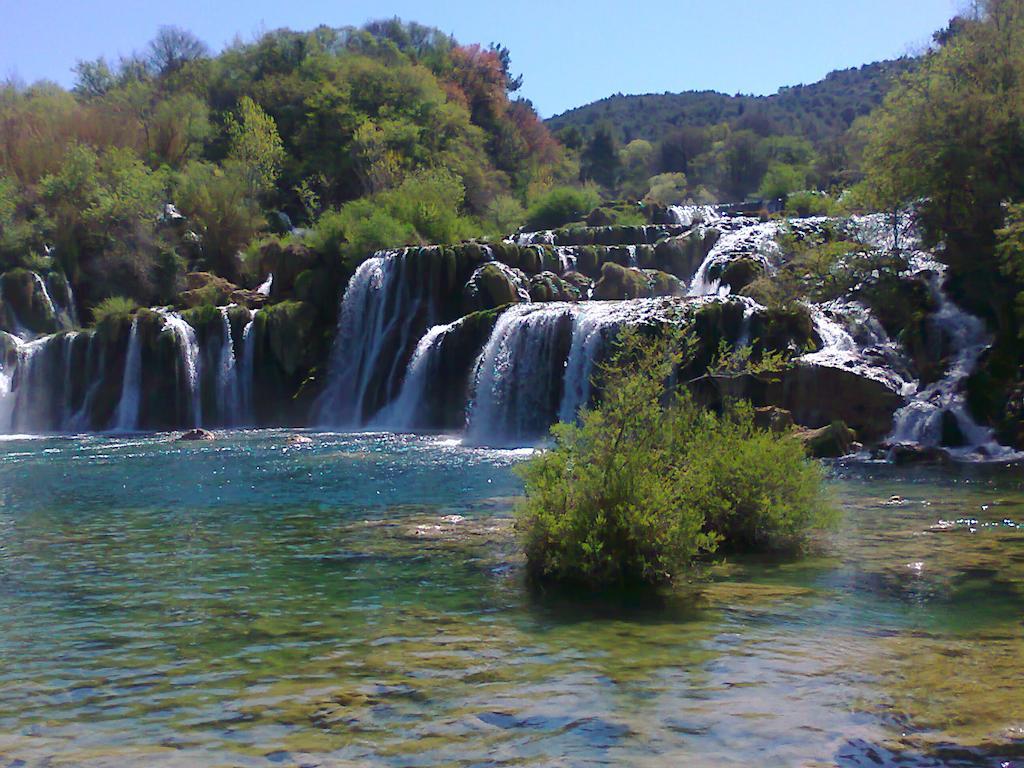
x=567 y=259
x=544 y=237
x=752 y=239
x=264 y=288
x=51 y=308
x=633 y=261
x=407 y=410
x=852 y=340
x=126 y=417
x=247 y=378
x=921 y=421
x=188 y=346
x=385 y=310
x=7 y=370
x=228 y=389
x=688 y=215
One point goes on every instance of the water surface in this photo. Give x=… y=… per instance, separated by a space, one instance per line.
x=358 y=600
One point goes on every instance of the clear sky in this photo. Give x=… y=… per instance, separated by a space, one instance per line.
x=569 y=52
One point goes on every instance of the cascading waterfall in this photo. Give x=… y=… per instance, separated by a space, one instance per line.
x=920 y=422
x=518 y=375
x=407 y=410
x=126 y=418
x=383 y=313
x=688 y=215
x=188 y=347
x=247 y=378
x=538 y=364
x=41 y=285
x=228 y=388
x=751 y=238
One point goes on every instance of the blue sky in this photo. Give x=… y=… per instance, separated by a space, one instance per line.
x=569 y=52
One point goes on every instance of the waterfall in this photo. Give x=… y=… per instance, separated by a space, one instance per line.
x=188 y=347
x=228 y=394
x=407 y=410
x=688 y=215
x=248 y=370
x=126 y=418
x=631 y=250
x=7 y=393
x=517 y=378
x=751 y=239
x=384 y=311
x=852 y=340
x=264 y=288
x=920 y=422
x=566 y=259
x=538 y=364
x=41 y=285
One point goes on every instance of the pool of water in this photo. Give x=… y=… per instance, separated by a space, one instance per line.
x=358 y=600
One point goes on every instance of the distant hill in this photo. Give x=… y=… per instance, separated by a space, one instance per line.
x=820 y=112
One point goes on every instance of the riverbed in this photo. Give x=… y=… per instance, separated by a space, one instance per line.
x=358 y=599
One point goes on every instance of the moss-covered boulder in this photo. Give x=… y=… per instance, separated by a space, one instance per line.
x=737 y=274
x=289 y=346
x=682 y=255
x=206 y=288
x=493 y=285
x=618 y=283
x=547 y=286
x=285 y=260
x=828 y=442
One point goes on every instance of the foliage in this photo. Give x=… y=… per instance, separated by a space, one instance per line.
x=255 y=145
x=667 y=189
x=780 y=180
x=354 y=120
x=113 y=307
x=560 y=206
x=811 y=204
x=648 y=481
x=949 y=140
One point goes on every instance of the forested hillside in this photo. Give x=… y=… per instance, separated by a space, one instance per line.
x=820 y=112
x=385 y=135
x=709 y=147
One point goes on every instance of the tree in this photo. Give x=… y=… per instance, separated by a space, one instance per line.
x=172 y=48
x=255 y=146
x=600 y=159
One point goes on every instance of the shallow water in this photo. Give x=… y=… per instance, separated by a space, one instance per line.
x=358 y=600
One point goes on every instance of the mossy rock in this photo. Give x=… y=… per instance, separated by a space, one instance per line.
x=492 y=286
x=682 y=255
x=618 y=283
x=204 y=288
x=831 y=441
x=285 y=260
x=547 y=286
x=783 y=329
x=23 y=305
x=289 y=330
x=739 y=273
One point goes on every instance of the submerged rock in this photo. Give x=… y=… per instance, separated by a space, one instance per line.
x=197 y=434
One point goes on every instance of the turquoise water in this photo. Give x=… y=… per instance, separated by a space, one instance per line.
x=358 y=600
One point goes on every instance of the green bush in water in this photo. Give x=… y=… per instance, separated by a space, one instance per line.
x=647 y=481
x=560 y=206
x=113 y=307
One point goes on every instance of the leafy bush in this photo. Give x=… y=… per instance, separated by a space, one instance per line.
x=643 y=485
x=811 y=204
x=113 y=307
x=560 y=206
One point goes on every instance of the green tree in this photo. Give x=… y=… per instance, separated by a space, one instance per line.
x=255 y=145
x=600 y=159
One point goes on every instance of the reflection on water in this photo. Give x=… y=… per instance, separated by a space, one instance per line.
x=358 y=601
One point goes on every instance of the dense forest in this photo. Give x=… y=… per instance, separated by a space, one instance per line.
x=175 y=160
x=712 y=147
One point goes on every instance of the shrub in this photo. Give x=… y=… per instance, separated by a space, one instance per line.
x=112 y=308
x=647 y=482
x=560 y=206
x=809 y=203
